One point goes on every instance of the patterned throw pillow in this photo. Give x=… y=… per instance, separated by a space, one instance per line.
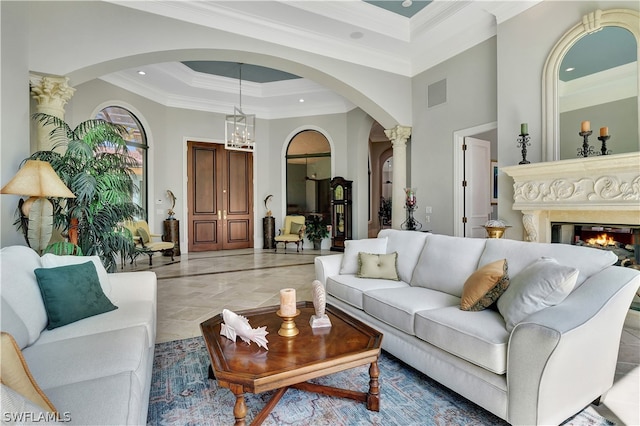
x=382 y=266
x=485 y=286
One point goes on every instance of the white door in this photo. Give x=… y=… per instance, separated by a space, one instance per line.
x=476 y=186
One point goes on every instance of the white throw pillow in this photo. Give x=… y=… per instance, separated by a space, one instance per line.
x=53 y=261
x=353 y=247
x=542 y=284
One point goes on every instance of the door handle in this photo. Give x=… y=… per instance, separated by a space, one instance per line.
x=224 y=214
x=219 y=218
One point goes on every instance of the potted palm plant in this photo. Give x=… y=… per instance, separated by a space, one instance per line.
x=315 y=230
x=97 y=167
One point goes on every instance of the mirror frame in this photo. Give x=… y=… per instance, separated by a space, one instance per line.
x=591 y=22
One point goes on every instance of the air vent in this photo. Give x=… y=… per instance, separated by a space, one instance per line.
x=437 y=93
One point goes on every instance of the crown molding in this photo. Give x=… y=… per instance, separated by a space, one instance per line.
x=218 y=94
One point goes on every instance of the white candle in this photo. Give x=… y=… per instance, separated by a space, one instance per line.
x=288 y=301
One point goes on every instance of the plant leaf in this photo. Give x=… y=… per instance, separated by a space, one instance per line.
x=40 y=224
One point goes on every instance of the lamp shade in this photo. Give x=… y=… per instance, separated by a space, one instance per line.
x=37 y=179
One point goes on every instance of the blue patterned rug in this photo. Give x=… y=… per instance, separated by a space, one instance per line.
x=181 y=394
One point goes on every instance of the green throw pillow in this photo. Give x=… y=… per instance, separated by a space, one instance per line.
x=295 y=228
x=71 y=293
x=144 y=235
x=381 y=266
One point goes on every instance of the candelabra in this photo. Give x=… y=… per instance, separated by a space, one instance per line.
x=523 y=142
x=603 y=149
x=586 y=150
x=411 y=224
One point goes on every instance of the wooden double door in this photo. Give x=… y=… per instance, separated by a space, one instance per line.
x=220 y=197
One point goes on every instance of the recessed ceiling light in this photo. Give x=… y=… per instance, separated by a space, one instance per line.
x=356 y=35
x=142 y=72
x=407 y=3
x=570 y=69
x=301 y=100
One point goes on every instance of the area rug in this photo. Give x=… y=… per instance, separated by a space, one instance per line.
x=182 y=394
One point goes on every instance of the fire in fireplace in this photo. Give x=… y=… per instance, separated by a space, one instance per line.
x=623 y=240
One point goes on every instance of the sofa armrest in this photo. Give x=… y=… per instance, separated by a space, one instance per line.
x=564 y=357
x=327 y=266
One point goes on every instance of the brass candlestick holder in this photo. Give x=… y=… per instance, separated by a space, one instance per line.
x=288 y=327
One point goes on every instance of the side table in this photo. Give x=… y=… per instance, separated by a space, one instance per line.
x=172 y=234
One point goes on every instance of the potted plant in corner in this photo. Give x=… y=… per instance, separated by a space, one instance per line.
x=98 y=169
x=316 y=230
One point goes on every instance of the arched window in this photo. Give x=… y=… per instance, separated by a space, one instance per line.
x=137 y=144
x=309 y=174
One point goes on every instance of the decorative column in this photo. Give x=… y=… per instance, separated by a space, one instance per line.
x=398 y=136
x=51 y=94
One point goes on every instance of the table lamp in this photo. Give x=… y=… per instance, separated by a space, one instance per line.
x=38 y=180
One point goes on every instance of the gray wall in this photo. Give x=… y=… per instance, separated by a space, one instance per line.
x=620 y=116
x=14 y=110
x=471 y=101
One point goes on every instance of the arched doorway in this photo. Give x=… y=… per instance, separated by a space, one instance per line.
x=380 y=153
x=308 y=175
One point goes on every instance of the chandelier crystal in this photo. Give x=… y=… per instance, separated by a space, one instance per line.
x=240 y=127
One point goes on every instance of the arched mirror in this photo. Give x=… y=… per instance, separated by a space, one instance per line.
x=601 y=88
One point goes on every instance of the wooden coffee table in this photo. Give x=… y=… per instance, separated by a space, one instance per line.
x=291 y=361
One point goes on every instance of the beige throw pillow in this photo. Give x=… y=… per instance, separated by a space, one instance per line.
x=382 y=266
x=485 y=286
x=16 y=375
x=353 y=247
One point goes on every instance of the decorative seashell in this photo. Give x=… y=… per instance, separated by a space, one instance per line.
x=319 y=298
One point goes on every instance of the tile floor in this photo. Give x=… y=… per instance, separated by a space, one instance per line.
x=197 y=286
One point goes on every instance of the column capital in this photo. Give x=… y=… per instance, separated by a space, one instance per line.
x=398 y=134
x=50 y=92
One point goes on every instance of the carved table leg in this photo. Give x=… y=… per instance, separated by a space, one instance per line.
x=240 y=409
x=373 y=397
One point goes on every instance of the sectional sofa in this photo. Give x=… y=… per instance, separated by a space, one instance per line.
x=93 y=370
x=536 y=347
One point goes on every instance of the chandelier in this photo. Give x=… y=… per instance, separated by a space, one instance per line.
x=240 y=127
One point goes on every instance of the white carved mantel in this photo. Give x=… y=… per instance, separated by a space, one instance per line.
x=598 y=190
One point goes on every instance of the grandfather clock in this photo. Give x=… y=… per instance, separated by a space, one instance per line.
x=341 y=228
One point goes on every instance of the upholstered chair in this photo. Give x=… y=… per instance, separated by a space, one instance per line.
x=144 y=242
x=291 y=232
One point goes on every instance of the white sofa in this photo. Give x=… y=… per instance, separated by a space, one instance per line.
x=96 y=370
x=550 y=366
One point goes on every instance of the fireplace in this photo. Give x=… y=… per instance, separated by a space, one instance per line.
x=623 y=240
x=603 y=190
x=558 y=196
